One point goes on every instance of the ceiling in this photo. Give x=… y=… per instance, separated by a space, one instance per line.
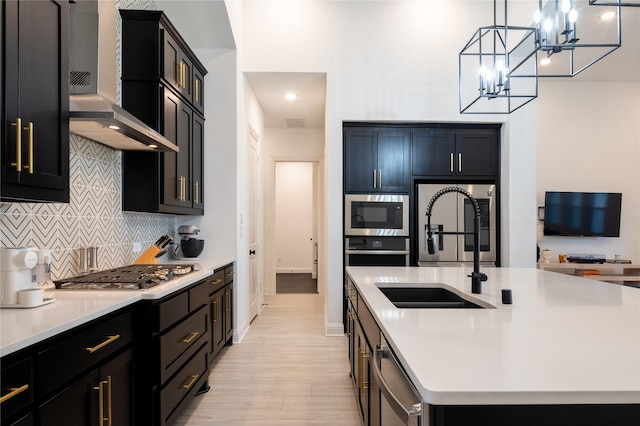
x=211 y=28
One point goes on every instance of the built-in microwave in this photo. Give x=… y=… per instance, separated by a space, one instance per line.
x=376 y=214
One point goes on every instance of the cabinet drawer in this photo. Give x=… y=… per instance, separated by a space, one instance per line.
x=228 y=274
x=175 y=345
x=87 y=348
x=17 y=387
x=171 y=311
x=186 y=382
x=199 y=295
x=216 y=281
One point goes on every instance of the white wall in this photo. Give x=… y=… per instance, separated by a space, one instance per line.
x=294 y=217
x=589 y=140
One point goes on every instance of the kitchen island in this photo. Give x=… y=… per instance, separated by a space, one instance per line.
x=564 y=341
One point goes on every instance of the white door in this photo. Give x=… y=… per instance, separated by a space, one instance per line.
x=255 y=295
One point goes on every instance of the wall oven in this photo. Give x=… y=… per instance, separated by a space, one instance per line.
x=376 y=251
x=376 y=214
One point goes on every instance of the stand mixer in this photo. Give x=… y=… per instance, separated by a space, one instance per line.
x=17 y=286
x=190 y=246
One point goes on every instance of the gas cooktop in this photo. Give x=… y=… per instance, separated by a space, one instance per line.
x=133 y=277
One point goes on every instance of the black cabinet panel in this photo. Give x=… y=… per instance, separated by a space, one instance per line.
x=35 y=114
x=432 y=152
x=376 y=160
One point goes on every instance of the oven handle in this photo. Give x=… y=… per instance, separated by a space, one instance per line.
x=398 y=407
x=405 y=252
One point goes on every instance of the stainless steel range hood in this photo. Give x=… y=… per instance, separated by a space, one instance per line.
x=94 y=114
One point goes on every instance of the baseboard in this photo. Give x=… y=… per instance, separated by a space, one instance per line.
x=334 y=329
x=239 y=333
x=294 y=270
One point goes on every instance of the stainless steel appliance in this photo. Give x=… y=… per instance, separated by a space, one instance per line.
x=376 y=214
x=133 y=277
x=376 y=251
x=400 y=403
x=455 y=213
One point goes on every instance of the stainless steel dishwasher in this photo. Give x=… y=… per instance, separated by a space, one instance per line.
x=400 y=403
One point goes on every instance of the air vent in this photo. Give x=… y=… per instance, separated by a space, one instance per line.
x=80 y=78
x=295 y=123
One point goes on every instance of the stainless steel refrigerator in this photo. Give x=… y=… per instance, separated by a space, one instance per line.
x=453 y=212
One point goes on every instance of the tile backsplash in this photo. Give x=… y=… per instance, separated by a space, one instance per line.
x=93 y=217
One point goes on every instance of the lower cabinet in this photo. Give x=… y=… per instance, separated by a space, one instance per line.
x=221 y=309
x=364 y=336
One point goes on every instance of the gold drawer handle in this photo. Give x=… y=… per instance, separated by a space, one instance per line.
x=194 y=377
x=191 y=335
x=30 y=165
x=110 y=339
x=14 y=392
x=215 y=282
x=18 y=126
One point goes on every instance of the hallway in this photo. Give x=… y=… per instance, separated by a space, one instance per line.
x=284 y=372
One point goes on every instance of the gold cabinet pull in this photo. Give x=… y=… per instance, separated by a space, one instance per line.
x=451 y=162
x=193 y=379
x=228 y=300
x=459 y=162
x=380 y=178
x=360 y=369
x=197 y=90
x=29 y=166
x=100 y=389
x=18 y=126
x=179 y=189
x=374 y=179
x=184 y=188
x=110 y=339
x=178 y=73
x=13 y=392
x=216 y=282
x=197 y=189
x=365 y=383
x=189 y=338
x=215 y=310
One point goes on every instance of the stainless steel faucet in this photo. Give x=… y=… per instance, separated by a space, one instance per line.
x=476 y=277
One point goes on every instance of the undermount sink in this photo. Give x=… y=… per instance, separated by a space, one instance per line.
x=432 y=297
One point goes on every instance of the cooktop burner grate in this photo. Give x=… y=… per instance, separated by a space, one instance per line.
x=132 y=277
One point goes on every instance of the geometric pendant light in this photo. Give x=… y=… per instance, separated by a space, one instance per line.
x=571 y=36
x=487 y=84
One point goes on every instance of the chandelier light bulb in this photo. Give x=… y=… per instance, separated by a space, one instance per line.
x=566 y=6
x=548 y=25
x=537 y=17
x=573 y=16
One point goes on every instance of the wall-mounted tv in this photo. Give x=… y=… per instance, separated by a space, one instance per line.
x=582 y=214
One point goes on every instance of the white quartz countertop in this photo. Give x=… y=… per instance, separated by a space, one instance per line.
x=20 y=328
x=564 y=340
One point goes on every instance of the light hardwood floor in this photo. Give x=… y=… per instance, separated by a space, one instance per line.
x=284 y=372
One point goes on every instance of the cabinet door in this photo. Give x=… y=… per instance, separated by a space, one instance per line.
x=433 y=152
x=198 y=90
x=217 y=322
x=177 y=128
x=117 y=381
x=360 y=160
x=477 y=153
x=228 y=313
x=76 y=405
x=363 y=357
x=197 y=173
x=35 y=154
x=393 y=160
x=178 y=68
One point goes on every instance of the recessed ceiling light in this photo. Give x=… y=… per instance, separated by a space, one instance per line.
x=608 y=15
x=290 y=96
x=545 y=61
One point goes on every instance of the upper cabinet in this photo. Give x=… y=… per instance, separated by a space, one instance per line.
x=35 y=111
x=437 y=152
x=162 y=84
x=376 y=159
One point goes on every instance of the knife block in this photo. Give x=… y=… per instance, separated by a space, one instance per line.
x=149 y=256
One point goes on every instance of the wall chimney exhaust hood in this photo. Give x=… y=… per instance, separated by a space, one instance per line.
x=93 y=112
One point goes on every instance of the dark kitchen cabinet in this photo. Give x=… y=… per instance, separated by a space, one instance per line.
x=105 y=395
x=376 y=160
x=174 y=341
x=163 y=84
x=35 y=111
x=447 y=153
x=17 y=384
x=363 y=337
x=221 y=308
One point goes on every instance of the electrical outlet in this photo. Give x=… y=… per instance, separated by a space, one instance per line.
x=279 y=259
x=137 y=247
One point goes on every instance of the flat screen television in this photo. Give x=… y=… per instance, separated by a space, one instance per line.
x=582 y=214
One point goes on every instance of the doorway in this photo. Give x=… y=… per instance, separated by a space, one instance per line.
x=295 y=226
